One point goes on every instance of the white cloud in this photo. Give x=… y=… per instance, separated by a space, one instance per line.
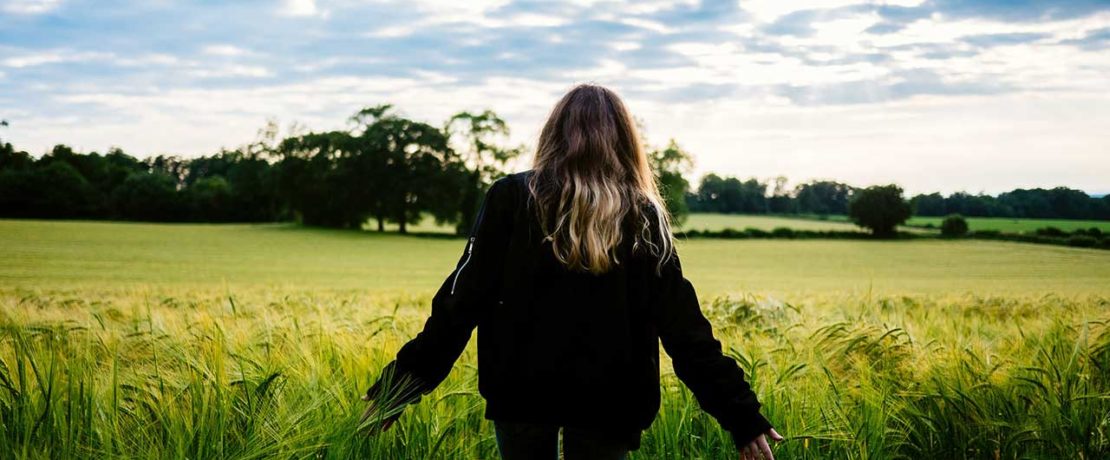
x=232 y=70
x=608 y=69
x=198 y=121
x=634 y=7
x=394 y=31
x=769 y=10
x=444 y=11
x=626 y=46
x=536 y=20
x=33 y=59
x=654 y=26
x=30 y=6
x=151 y=59
x=224 y=50
x=299 y=8
x=843 y=32
x=474 y=12
x=317 y=65
x=729 y=63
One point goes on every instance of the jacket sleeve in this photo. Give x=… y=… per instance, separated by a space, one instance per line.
x=715 y=379
x=424 y=362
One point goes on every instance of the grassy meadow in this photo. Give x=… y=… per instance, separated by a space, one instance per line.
x=1011 y=225
x=717 y=222
x=255 y=341
x=697 y=221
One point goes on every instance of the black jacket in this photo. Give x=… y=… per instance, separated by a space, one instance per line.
x=569 y=348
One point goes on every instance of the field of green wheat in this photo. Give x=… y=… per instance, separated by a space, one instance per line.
x=255 y=341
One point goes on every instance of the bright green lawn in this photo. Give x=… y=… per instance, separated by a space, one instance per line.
x=84 y=254
x=718 y=222
x=1010 y=225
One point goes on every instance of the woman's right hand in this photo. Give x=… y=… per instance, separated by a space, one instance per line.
x=372 y=422
x=759 y=448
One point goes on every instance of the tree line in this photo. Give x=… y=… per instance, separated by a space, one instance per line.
x=387 y=168
x=732 y=195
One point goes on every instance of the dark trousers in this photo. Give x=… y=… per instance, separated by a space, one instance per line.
x=530 y=441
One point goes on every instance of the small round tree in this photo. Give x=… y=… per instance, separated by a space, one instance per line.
x=880 y=208
x=954 y=226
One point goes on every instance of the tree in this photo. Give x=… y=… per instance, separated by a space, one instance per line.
x=476 y=137
x=55 y=191
x=669 y=164
x=424 y=176
x=823 y=197
x=974 y=205
x=251 y=178
x=932 y=204
x=10 y=159
x=1070 y=203
x=388 y=167
x=752 y=196
x=731 y=195
x=209 y=199
x=880 y=208
x=317 y=180
x=953 y=226
x=149 y=197
x=708 y=197
x=174 y=167
x=780 y=201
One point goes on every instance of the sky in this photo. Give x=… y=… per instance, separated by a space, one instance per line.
x=940 y=95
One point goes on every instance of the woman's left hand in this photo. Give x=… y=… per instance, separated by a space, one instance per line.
x=759 y=448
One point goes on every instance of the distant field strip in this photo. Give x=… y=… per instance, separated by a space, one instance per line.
x=718 y=222
x=53 y=254
x=1009 y=225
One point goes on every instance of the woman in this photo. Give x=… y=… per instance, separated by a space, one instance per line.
x=571 y=277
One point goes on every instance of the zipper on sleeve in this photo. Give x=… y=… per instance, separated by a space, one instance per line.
x=470 y=243
x=469 y=251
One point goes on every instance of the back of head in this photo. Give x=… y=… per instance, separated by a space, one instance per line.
x=592 y=182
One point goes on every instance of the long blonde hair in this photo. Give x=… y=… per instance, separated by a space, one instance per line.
x=591 y=178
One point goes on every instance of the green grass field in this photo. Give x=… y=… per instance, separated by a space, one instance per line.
x=718 y=222
x=98 y=255
x=699 y=221
x=1008 y=225
x=254 y=341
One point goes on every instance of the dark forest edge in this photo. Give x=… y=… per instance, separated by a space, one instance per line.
x=390 y=169
x=731 y=195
